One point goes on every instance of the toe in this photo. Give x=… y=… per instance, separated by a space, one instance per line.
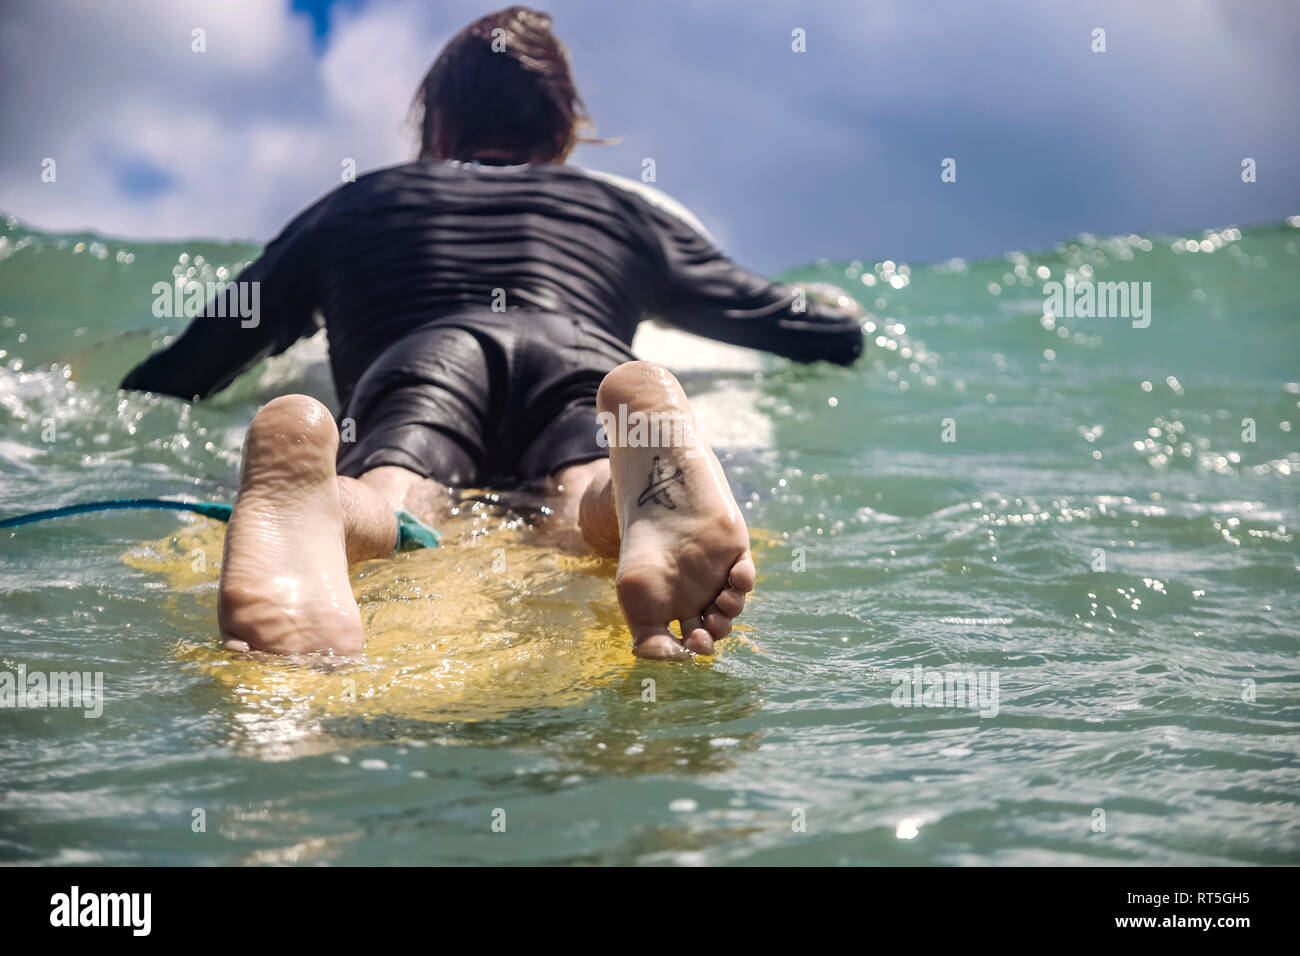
x=717 y=624
x=743 y=574
x=656 y=643
x=698 y=639
x=730 y=602
x=696 y=636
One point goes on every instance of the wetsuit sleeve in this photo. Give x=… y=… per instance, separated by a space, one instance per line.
x=706 y=293
x=266 y=309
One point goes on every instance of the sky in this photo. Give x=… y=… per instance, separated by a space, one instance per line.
x=786 y=156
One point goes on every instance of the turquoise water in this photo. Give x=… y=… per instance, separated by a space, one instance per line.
x=1100 y=537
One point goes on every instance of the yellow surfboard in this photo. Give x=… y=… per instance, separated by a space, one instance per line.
x=489 y=624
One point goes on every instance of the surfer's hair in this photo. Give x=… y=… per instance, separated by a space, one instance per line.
x=503 y=84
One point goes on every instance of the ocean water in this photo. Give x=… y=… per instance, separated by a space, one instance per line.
x=1089 y=526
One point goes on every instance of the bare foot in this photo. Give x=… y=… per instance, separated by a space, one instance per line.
x=685 y=549
x=284 y=579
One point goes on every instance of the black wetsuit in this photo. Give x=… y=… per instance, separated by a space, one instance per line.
x=472 y=311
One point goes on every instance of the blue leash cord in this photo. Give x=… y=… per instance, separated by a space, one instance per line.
x=210 y=510
x=411 y=532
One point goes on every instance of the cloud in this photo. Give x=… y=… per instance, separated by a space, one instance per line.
x=232 y=140
x=785 y=156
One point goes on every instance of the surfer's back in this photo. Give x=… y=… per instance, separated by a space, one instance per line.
x=415 y=243
x=435 y=241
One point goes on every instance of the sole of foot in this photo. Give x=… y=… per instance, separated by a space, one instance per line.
x=685 y=549
x=284 y=578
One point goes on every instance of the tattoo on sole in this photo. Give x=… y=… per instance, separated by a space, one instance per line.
x=661 y=479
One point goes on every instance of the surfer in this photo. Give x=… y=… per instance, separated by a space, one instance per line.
x=480 y=304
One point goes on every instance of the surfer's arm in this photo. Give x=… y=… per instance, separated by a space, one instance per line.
x=266 y=309
x=708 y=294
x=732 y=305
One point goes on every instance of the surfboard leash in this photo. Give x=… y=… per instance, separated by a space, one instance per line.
x=411 y=531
